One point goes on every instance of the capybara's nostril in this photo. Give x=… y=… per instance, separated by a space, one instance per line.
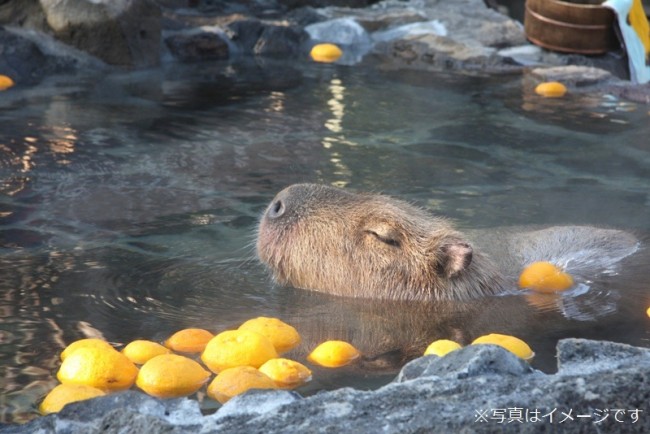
x=276 y=209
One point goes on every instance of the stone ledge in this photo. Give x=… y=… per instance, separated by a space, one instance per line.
x=470 y=390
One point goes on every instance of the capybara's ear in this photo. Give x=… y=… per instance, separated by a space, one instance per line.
x=454 y=258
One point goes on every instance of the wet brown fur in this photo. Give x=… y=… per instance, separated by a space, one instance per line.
x=414 y=278
x=369 y=246
x=364 y=245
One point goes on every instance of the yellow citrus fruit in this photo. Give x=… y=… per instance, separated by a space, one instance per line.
x=647 y=312
x=171 y=376
x=140 y=351
x=104 y=368
x=442 y=347
x=333 y=354
x=551 y=89
x=234 y=381
x=5 y=82
x=84 y=343
x=545 y=277
x=325 y=53
x=286 y=373
x=510 y=343
x=189 y=340
x=65 y=394
x=283 y=336
x=237 y=348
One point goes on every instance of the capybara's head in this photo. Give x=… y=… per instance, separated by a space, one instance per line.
x=366 y=245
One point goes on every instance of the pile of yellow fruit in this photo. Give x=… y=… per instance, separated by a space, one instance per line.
x=515 y=345
x=242 y=359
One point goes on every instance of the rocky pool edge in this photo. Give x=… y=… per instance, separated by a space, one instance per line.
x=600 y=386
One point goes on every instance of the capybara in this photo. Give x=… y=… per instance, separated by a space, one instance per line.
x=365 y=245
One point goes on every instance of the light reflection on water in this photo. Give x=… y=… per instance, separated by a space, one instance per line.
x=129 y=203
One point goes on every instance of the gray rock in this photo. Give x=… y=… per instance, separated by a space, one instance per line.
x=572 y=74
x=266 y=38
x=472 y=22
x=255 y=403
x=120 y=32
x=280 y=41
x=19 y=58
x=586 y=357
x=324 y=3
x=463 y=34
x=628 y=91
x=380 y=16
x=434 y=27
x=27 y=13
x=341 y=31
x=599 y=387
x=523 y=54
x=199 y=45
x=473 y=361
x=305 y=16
x=439 y=53
x=27 y=57
x=245 y=33
x=468 y=21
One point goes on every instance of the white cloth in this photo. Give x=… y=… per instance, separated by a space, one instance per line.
x=639 y=71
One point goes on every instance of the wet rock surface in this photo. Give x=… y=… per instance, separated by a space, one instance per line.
x=599 y=387
x=464 y=35
x=119 y=32
x=27 y=56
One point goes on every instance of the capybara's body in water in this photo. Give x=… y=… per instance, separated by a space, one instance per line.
x=362 y=245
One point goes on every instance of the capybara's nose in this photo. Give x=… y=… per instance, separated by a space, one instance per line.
x=277 y=209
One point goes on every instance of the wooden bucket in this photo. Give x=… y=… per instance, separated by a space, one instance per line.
x=572 y=26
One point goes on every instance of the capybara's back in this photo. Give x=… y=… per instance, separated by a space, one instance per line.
x=362 y=245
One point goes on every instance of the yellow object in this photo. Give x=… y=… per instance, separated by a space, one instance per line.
x=333 y=354
x=326 y=53
x=510 y=343
x=545 y=277
x=171 y=376
x=286 y=373
x=234 y=381
x=6 y=82
x=140 y=351
x=639 y=22
x=104 y=368
x=65 y=394
x=551 y=89
x=283 y=336
x=189 y=340
x=84 y=343
x=442 y=347
x=647 y=312
x=237 y=348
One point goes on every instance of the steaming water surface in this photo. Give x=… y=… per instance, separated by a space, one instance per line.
x=129 y=202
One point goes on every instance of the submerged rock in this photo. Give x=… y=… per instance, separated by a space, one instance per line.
x=599 y=386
